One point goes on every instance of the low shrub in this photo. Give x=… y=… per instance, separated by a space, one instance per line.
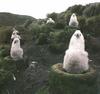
x=92 y=25
x=5 y=34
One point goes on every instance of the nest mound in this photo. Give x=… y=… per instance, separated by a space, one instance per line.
x=62 y=82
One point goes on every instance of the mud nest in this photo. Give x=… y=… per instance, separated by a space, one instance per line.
x=61 y=82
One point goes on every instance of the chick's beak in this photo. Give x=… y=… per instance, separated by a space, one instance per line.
x=77 y=35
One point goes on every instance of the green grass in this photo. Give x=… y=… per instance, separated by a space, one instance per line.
x=43 y=90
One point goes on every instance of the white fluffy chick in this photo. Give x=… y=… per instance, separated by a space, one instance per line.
x=77 y=41
x=73 y=21
x=16 y=51
x=76 y=58
x=14 y=35
x=15 y=31
x=50 y=20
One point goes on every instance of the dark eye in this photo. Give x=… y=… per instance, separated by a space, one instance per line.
x=13 y=33
x=78 y=35
x=15 y=41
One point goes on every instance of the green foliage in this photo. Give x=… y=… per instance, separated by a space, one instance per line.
x=67 y=17
x=82 y=23
x=27 y=23
x=59 y=40
x=69 y=32
x=56 y=39
x=58 y=36
x=41 y=33
x=4 y=50
x=43 y=90
x=8 y=19
x=42 y=39
x=47 y=28
x=5 y=60
x=46 y=34
x=60 y=22
x=78 y=9
x=5 y=76
x=5 y=34
x=53 y=16
x=7 y=67
x=57 y=47
x=92 y=25
x=35 y=28
x=92 y=10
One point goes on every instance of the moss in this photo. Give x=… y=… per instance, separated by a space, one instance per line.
x=7 y=68
x=43 y=90
x=4 y=76
x=65 y=83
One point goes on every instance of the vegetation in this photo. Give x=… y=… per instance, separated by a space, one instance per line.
x=43 y=42
x=7 y=67
x=8 y=19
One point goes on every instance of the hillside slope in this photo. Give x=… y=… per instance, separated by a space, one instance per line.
x=9 y=19
x=45 y=44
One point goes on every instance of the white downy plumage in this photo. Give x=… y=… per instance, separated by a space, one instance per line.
x=33 y=64
x=14 y=78
x=73 y=21
x=50 y=20
x=16 y=51
x=15 y=31
x=77 y=41
x=15 y=34
x=76 y=58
